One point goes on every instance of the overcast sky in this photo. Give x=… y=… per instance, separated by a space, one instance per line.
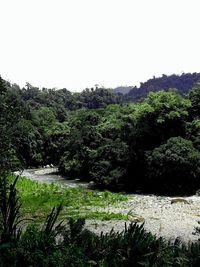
x=79 y=43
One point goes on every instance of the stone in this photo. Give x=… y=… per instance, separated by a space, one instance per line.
x=179 y=200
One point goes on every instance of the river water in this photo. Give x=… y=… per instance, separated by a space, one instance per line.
x=51 y=175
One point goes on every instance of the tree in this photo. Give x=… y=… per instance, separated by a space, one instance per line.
x=110 y=163
x=194 y=96
x=161 y=116
x=173 y=168
x=193 y=132
x=10 y=112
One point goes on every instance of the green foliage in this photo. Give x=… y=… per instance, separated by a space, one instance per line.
x=94 y=137
x=168 y=105
x=194 y=96
x=38 y=199
x=10 y=230
x=174 y=167
x=60 y=245
x=9 y=211
x=39 y=246
x=152 y=146
x=193 y=133
x=11 y=110
x=161 y=116
x=131 y=247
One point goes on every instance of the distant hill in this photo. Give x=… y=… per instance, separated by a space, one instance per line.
x=183 y=83
x=122 y=89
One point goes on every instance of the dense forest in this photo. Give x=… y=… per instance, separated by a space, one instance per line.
x=182 y=83
x=151 y=146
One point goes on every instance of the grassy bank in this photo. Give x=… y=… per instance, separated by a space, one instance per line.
x=38 y=199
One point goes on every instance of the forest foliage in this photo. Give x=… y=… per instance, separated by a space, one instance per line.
x=182 y=83
x=149 y=146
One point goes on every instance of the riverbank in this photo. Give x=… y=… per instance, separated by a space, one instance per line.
x=169 y=217
x=50 y=175
x=38 y=198
x=164 y=216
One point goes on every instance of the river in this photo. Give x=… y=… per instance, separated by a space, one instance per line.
x=51 y=175
x=160 y=215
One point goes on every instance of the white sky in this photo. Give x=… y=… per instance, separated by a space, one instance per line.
x=79 y=43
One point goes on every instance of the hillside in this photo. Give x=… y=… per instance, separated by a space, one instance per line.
x=122 y=90
x=183 y=83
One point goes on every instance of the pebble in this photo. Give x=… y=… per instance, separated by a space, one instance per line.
x=161 y=217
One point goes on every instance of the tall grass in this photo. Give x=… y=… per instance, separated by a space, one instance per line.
x=38 y=199
x=9 y=211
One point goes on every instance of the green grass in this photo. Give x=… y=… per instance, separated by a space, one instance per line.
x=38 y=199
x=104 y=216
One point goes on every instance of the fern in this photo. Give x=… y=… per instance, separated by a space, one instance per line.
x=10 y=211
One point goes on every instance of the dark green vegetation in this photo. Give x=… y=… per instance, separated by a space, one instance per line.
x=182 y=83
x=151 y=146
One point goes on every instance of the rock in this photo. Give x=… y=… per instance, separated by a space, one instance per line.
x=91 y=185
x=179 y=200
x=77 y=180
x=51 y=165
x=136 y=219
x=45 y=171
x=47 y=166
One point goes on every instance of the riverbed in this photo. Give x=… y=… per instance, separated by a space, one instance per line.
x=170 y=217
x=51 y=175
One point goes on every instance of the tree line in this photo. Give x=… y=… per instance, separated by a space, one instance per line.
x=149 y=146
x=182 y=83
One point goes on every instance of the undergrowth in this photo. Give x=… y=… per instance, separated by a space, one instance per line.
x=56 y=243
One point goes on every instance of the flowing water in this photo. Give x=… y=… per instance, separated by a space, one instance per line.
x=51 y=175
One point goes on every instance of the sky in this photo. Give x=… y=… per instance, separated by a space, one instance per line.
x=76 y=44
